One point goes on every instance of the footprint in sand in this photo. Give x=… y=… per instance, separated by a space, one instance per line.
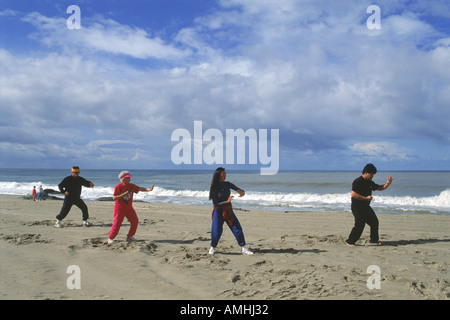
x=26 y=238
x=147 y=247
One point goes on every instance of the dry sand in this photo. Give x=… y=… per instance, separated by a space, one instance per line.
x=297 y=255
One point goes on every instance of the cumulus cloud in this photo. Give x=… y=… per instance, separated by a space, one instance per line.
x=381 y=151
x=311 y=69
x=104 y=35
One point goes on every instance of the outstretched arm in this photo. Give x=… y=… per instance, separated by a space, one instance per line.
x=147 y=189
x=387 y=184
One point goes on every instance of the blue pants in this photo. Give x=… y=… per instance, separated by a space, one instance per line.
x=217 y=228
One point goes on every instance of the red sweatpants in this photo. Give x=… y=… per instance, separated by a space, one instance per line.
x=119 y=215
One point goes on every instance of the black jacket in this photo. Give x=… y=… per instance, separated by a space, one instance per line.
x=222 y=192
x=73 y=186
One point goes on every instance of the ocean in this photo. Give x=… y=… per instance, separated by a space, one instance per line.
x=412 y=192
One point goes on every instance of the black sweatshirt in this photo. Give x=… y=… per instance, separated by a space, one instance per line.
x=73 y=186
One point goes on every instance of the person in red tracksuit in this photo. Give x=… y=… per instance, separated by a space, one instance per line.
x=123 y=196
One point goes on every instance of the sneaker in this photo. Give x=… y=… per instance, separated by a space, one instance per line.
x=87 y=223
x=58 y=224
x=131 y=239
x=211 y=250
x=110 y=241
x=246 y=251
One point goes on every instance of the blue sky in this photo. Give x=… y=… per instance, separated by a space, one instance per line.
x=110 y=95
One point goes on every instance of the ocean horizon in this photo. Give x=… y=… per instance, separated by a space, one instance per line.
x=412 y=192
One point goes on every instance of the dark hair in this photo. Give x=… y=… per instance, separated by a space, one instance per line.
x=369 y=168
x=215 y=180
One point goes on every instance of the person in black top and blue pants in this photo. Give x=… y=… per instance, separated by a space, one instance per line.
x=220 y=194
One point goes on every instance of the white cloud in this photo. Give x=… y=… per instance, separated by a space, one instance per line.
x=104 y=35
x=382 y=151
x=310 y=69
x=408 y=27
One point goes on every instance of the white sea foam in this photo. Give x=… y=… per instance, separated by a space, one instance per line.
x=441 y=201
x=269 y=200
x=313 y=201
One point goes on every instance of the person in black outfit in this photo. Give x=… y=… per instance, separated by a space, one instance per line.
x=361 y=194
x=71 y=187
x=220 y=194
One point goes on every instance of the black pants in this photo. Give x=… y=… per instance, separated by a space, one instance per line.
x=362 y=216
x=68 y=203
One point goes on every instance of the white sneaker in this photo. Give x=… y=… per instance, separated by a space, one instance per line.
x=58 y=224
x=131 y=239
x=246 y=251
x=110 y=241
x=87 y=223
x=211 y=250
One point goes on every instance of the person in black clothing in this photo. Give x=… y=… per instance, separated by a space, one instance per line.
x=220 y=194
x=71 y=187
x=361 y=195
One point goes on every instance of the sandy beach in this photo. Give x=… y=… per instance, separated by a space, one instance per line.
x=297 y=255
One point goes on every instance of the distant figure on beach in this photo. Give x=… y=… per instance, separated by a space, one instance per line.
x=71 y=187
x=34 y=193
x=361 y=195
x=123 y=207
x=40 y=193
x=220 y=194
